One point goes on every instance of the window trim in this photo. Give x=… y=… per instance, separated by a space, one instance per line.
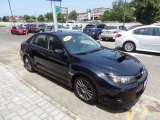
x=35 y=38
x=133 y=32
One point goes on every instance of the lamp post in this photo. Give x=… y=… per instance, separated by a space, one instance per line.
x=54 y=13
x=11 y=11
x=124 y=17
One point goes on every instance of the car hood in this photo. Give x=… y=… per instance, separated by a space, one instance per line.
x=112 y=61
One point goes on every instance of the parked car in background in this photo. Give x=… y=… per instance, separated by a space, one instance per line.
x=18 y=30
x=94 y=72
x=51 y=27
x=94 y=30
x=39 y=28
x=110 y=32
x=133 y=26
x=31 y=27
x=73 y=23
x=72 y=28
x=145 y=38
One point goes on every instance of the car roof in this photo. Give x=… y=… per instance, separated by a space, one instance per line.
x=144 y=26
x=61 y=32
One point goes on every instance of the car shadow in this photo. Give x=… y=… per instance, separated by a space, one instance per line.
x=139 y=52
x=97 y=104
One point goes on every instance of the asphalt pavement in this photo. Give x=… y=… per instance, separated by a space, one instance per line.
x=148 y=107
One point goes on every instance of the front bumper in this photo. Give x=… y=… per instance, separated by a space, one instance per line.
x=123 y=98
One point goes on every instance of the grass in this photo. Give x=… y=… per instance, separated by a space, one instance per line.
x=2 y=26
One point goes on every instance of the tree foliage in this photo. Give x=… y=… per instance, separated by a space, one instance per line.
x=26 y=17
x=73 y=15
x=41 y=18
x=49 y=17
x=4 y=19
x=117 y=13
x=147 y=11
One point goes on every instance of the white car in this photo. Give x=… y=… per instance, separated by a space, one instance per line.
x=72 y=28
x=110 y=32
x=145 y=38
x=73 y=23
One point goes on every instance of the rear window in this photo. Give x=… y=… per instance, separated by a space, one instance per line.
x=122 y=28
x=111 y=27
x=90 y=25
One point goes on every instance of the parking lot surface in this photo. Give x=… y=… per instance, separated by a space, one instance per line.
x=148 y=107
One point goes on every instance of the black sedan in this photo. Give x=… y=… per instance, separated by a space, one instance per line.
x=96 y=73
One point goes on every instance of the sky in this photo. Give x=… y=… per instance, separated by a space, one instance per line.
x=37 y=7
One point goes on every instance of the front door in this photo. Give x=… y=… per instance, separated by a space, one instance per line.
x=57 y=65
x=156 y=41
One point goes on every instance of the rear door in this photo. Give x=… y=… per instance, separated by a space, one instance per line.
x=38 y=51
x=144 y=37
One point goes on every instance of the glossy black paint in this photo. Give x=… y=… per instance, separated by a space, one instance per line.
x=96 y=66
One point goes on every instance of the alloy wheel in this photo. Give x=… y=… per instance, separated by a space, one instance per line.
x=129 y=47
x=84 y=89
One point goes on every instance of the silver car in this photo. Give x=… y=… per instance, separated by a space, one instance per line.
x=110 y=32
x=145 y=38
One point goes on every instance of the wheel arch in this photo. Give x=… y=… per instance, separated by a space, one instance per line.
x=82 y=75
x=131 y=42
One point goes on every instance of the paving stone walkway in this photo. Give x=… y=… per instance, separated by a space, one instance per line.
x=20 y=102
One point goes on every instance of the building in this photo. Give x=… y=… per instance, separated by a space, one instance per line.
x=81 y=16
x=1 y=19
x=98 y=12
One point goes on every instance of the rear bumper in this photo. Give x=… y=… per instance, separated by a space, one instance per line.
x=92 y=34
x=111 y=36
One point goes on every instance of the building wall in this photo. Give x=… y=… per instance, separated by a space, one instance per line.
x=82 y=16
x=98 y=12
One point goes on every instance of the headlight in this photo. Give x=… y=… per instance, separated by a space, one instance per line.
x=122 y=79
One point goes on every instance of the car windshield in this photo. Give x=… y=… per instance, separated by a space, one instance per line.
x=80 y=43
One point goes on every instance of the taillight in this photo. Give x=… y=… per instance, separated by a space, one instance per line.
x=119 y=35
x=115 y=32
x=93 y=30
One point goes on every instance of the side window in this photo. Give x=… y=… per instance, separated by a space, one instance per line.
x=157 y=31
x=101 y=26
x=53 y=43
x=39 y=41
x=144 y=31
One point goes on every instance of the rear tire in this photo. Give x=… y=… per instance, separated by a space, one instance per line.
x=129 y=47
x=28 y=64
x=85 y=90
x=99 y=37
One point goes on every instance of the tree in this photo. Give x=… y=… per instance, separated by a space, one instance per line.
x=147 y=11
x=117 y=14
x=49 y=17
x=41 y=18
x=60 y=17
x=4 y=19
x=73 y=15
x=33 y=18
x=26 y=17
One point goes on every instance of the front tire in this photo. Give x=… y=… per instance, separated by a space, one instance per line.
x=129 y=47
x=85 y=90
x=28 y=64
